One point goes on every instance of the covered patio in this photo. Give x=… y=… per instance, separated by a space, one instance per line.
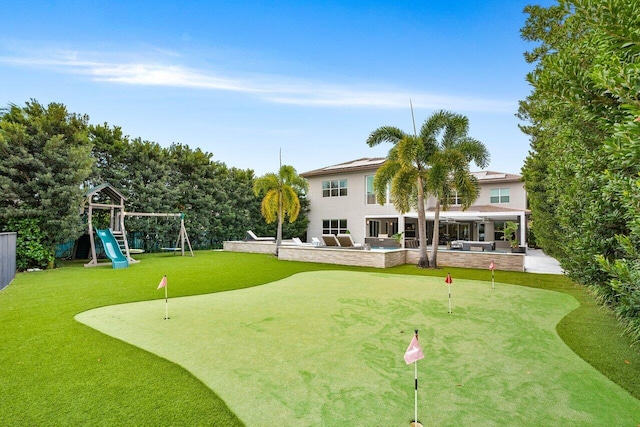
x=478 y=224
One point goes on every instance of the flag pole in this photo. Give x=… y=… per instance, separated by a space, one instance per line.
x=415 y=412
x=415 y=409
x=448 y=281
x=492 y=266
x=412 y=355
x=166 y=302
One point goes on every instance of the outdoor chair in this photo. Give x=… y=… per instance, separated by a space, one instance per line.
x=251 y=236
x=298 y=242
x=330 y=240
x=346 y=241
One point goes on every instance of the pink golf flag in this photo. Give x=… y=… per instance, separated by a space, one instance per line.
x=448 y=280
x=414 y=352
x=163 y=283
x=492 y=266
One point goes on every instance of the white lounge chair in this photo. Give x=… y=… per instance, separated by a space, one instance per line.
x=298 y=242
x=251 y=236
x=346 y=241
x=330 y=240
x=316 y=242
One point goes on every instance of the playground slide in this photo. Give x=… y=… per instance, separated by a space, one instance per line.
x=111 y=248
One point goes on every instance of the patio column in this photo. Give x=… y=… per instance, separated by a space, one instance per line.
x=523 y=229
x=401 y=229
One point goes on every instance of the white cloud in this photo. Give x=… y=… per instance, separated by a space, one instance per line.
x=271 y=88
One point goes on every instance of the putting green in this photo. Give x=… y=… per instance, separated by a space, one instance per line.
x=326 y=349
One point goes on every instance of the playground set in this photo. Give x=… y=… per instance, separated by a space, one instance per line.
x=114 y=238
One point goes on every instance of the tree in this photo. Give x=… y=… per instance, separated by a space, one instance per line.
x=434 y=162
x=45 y=157
x=582 y=171
x=405 y=173
x=452 y=151
x=280 y=197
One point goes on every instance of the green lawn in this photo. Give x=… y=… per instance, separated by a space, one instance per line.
x=56 y=371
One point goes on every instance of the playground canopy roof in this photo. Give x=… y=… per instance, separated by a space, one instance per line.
x=107 y=189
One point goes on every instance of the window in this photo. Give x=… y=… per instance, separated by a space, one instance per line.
x=499 y=195
x=454 y=199
x=371 y=193
x=334 y=188
x=334 y=226
x=498 y=230
x=374 y=228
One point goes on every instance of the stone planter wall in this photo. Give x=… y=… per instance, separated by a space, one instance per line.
x=380 y=259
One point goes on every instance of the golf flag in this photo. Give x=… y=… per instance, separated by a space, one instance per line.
x=449 y=281
x=163 y=283
x=492 y=266
x=414 y=352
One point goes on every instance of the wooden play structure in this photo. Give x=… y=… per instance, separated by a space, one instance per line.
x=106 y=197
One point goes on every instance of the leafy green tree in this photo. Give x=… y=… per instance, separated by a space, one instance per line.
x=45 y=157
x=280 y=196
x=405 y=173
x=452 y=151
x=30 y=250
x=582 y=172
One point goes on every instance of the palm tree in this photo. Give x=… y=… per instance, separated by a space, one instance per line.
x=404 y=173
x=280 y=196
x=421 y=164
x=452 y=150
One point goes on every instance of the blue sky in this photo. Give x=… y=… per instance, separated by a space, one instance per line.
x=244 y=79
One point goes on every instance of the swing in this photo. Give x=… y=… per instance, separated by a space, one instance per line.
x=182 y=235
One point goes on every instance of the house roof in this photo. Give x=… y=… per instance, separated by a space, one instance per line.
x=373 y=163
x=363 y=164
x=491 y=176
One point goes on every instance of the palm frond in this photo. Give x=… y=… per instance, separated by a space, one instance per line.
x=385 y=134
x=269 y=206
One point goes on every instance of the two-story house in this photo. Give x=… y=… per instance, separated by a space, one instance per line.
x=342 y=200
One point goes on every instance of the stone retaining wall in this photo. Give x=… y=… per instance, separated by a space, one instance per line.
x=380 y=259
x=251 y=247
x=470 y=259
x=355 y=257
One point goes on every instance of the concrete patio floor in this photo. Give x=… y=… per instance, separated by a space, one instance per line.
x=537 y=261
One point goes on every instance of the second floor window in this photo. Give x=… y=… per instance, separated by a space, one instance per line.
x=371 y=193
x=454 y=199
x=334 y=188
x=499 y=195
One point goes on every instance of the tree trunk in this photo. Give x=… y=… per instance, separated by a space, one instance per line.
x=436 y=235
x=423 y=262
x=280 y=220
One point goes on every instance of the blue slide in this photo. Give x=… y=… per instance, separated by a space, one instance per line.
x=111 y=248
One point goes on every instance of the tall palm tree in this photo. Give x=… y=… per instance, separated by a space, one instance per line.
x=405 y=173
x=432 y=162
x=452 y=151
x=280 y=196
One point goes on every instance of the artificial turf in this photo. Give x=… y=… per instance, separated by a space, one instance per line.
x=56 y=371
x=325 y=349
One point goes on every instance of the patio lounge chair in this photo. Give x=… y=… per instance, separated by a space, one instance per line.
x=346 y=241
x=251 y=236
x=298 y=242
x=330 y=240
x=316 y=242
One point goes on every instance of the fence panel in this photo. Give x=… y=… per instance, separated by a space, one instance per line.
x=7 y=258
